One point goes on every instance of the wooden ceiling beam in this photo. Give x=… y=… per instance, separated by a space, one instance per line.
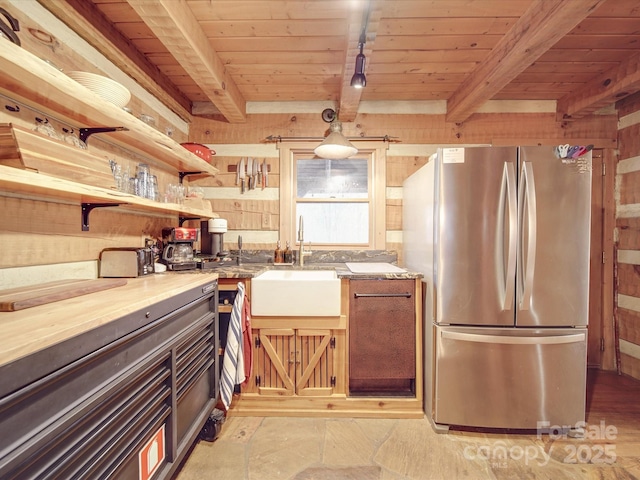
x=536 y=31
x=613 y=85
x=350 y=96
x=179 y=31
x=89 y=23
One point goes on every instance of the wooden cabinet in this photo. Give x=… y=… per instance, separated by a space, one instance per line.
x=89 y=417
x=382 y=337
x=301 y=365
x=294 y=361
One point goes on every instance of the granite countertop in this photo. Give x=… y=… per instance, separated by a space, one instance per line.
x=250 y=270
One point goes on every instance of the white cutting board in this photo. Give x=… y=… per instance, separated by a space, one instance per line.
x=373 y=267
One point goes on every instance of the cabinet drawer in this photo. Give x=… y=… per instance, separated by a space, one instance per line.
x=195 y=374
x=93 y=439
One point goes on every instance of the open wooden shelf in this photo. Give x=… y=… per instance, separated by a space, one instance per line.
x=29 y=150
x=32 y=183
x=30 y=80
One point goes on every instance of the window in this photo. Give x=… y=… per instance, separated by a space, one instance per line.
x=342 y=202
x=334 y=198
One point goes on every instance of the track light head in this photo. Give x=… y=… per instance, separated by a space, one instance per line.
x=359 y=80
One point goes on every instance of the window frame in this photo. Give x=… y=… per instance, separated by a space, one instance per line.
x=375 y=153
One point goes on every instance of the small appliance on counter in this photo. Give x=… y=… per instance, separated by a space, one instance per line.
x=177 y=253
x=212 y=243
x=126 y=262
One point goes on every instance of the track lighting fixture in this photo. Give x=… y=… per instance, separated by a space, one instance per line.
x=359 y=80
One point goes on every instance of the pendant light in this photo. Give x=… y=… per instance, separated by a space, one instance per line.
x=335 y=146
x=359 y=80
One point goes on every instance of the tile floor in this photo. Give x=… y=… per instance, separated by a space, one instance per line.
x=252 y=448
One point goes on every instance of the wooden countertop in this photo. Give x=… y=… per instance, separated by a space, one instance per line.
x=27 y=331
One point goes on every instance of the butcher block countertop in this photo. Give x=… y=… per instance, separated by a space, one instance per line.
x=27 y=331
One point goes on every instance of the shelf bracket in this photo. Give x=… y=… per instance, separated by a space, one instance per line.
x=184 y=174
x=86 y=210
x=84 y=133
x=181 y=220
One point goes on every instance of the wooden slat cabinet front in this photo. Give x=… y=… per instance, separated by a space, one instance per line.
x=90 y=418
x=299 y=357
x=296 y=361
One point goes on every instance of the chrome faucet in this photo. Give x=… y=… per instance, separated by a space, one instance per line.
x=302 y=252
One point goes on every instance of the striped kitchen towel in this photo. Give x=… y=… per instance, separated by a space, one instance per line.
x=233 y=363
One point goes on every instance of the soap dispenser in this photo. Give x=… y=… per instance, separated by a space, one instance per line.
x=278 y=254
x=288 y=254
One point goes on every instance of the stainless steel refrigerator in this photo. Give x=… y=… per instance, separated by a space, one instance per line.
x=502 y=236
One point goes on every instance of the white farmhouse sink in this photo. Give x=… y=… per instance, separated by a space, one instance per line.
x=296 y=293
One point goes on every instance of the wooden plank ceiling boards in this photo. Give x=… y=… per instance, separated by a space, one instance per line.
x=219 y=55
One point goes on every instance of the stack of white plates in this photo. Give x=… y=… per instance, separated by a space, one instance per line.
x=108 y=89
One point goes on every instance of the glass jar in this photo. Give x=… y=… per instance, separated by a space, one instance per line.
x=143 y=177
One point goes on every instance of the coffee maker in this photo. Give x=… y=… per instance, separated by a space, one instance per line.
x=177 y=253
x=212 y=237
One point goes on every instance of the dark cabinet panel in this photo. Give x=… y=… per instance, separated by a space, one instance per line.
x=382 y=337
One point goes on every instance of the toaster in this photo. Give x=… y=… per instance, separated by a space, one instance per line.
x=126 y=262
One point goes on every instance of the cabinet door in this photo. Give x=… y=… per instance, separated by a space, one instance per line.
x=315 y=362
x=274 y=361
x=382 y=336
x=289 y=361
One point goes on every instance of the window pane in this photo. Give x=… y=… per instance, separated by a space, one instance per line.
x=322 y=178
x=334 y=222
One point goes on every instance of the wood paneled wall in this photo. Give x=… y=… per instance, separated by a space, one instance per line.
x=415 y=137
x=628 y=237
x=45 y=231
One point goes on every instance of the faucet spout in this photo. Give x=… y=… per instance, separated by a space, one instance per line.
x=302 y=252
x=301 y=229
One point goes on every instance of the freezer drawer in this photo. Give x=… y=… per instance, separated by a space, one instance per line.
x=509 y=378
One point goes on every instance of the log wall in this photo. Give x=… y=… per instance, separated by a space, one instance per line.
x=627 y=235
x=255 y=214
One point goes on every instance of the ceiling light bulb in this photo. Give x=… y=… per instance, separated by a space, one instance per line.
x=335 y=146
x=358 y=80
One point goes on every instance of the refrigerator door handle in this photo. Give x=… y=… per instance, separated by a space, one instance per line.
x=512 y=340
x=509 y=189
x=528 y=194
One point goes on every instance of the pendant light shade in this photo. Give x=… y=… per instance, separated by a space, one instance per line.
x=359 y=80
x=335 y=146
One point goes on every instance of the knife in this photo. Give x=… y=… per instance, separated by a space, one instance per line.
x=249 y=174
x=259 y=173
x=265 y=174
x=241 y=170
x=256 y=170
x=238 y=173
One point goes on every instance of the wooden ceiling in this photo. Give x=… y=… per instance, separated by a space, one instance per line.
x=214 y=56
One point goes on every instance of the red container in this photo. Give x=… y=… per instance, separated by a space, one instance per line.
x=200 y=150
